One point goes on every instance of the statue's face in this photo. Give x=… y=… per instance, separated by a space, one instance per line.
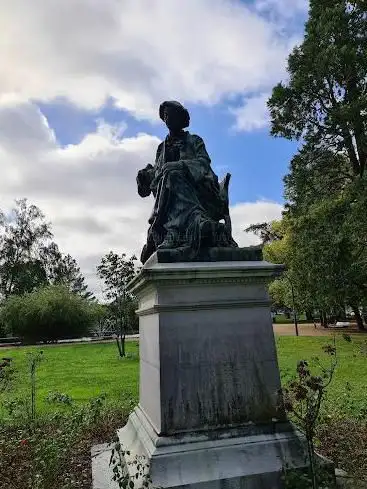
x=172 y=119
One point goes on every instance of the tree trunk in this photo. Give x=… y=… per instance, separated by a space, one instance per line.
x=323 y=319
x=123 y=350
x=120 y=339
x=364 y=314
x=118 y=345
x=358 y=317
x=121 y=331
x=309 y=316
x=295 y=321
x=121 y=342
x=343 y=314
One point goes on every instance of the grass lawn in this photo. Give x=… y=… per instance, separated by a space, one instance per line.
x=87 y=370
x=82 y=371
x=348 y=388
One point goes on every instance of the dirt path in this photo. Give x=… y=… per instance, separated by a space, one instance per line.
x=279 y=329
x=310 y=330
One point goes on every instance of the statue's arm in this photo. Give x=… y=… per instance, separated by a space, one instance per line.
x=200 y=165
x=144 y=179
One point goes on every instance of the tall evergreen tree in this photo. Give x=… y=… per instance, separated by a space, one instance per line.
x=29 y=258
x=325 y=100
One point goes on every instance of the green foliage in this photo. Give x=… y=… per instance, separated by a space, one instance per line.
x=266 y=231
x=64 y=270
x=324 y=103
x=23 y=407
x=82 y=371
x=29 y=259
x=47 y=314
x=315 y=175
x=101 y=319
x=280 y=294
x=278 y=250
x=344 y=440
x=325 y=99
x=303 y=397
x=352 y=370
x=117 y=271
x=136 y=475
x=6 y=373
x=335 y=424
x=286 y=292
x=302 y=479
x=34 y=359
x=329 y=254
x=59 y=398
x=22 y=234
x=85 y=371
x=323 y=246
x=54 y=450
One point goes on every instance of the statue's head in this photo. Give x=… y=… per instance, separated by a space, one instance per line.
x=175 y=116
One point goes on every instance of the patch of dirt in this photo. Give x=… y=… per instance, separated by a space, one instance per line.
x=310 y=330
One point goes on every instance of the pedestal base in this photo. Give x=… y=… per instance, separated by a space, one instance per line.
x=209 y=413
x=247 y=457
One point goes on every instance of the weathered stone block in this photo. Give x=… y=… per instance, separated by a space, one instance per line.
x=208 y=415
x=207 y=345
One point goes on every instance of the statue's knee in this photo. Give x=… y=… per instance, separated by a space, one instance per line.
x=174 y=175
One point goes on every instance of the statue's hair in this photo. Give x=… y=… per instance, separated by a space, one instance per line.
x=182 y=112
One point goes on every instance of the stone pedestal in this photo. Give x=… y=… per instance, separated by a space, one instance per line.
x=207 y=352
x=208 y=414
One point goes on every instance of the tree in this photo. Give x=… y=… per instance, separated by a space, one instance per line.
x=29 y=259
x=102 y=320
x=315 y=175
x=47 y=314
x=64 y=270
x=326 y=208
x=276 y=249
x=290 y=290
x=329 y=255
x=22 y=234
x=266 y=231
x=324 y=103
x=325 y=99
x=117 y=271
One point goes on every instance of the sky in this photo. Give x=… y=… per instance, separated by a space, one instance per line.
x=80 y=87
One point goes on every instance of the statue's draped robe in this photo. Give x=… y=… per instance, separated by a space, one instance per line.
x=188 y=202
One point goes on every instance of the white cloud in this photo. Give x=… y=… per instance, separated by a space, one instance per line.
x=253 y=114
x=138 y=52
x=246 y=213
x=88 y=190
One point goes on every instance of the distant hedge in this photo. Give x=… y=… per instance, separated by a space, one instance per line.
x=47 y=314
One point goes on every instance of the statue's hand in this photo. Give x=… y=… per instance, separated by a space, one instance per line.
x=144 y=179
x=145 y=172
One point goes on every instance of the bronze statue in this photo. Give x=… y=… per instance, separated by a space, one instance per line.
x=191 y=210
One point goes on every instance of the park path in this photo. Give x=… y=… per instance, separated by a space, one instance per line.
x=279 y=330
x=310 y=330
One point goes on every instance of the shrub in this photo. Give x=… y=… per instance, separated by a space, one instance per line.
x=51 y=450
x=47 y=314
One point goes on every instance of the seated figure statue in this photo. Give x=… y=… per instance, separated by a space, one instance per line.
x=191 y=211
